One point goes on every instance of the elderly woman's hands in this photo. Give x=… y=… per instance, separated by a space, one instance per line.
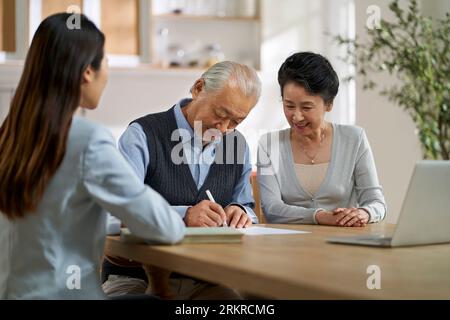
x=351 y=217
x=344 y=217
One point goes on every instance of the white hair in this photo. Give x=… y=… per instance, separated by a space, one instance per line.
x=222 y=73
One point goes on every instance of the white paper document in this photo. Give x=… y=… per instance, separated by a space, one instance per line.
x=255 y=231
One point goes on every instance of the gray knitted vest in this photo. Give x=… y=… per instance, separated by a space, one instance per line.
x=174 y=181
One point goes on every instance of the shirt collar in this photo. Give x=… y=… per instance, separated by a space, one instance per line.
x=181 y=120
x=182 y=123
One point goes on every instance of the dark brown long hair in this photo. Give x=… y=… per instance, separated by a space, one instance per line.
x=34 y=135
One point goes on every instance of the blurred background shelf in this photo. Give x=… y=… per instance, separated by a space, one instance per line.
x=197 y=33
x=175 y=33
x=175 y=16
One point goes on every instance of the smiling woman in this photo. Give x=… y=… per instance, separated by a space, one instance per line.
x=316 y=172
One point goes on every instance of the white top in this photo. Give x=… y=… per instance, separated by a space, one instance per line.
x=55 y=252
x=311 y=177
x=351 y=179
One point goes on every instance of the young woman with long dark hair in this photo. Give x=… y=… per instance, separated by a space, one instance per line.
x=59 y=174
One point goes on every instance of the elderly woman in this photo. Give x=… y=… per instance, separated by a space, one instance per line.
x=316 y=172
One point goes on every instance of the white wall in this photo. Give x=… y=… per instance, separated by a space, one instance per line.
x=435 y=8
x=390 y=130
x=9 y=77
x=135 y=92
x=293 y=26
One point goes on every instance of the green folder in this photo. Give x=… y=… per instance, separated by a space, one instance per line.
x=193 y=235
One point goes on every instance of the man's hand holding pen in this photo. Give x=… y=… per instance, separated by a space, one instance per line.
x=205 y=214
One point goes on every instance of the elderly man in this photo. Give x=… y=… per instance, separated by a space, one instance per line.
x=186 y=151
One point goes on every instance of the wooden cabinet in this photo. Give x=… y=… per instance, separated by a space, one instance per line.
x=118 y=19
x=49 y=7
x=120 y=23
x=1 y=25
x=7 y=25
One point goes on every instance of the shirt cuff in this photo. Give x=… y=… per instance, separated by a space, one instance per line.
x=372 y=218
x=238 y=205
x=113 y=225
x=181 y=210
x=315 y=213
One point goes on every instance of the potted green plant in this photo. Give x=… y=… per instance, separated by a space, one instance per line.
x=416 y=50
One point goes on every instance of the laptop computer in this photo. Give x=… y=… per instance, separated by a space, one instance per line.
x=425 y=214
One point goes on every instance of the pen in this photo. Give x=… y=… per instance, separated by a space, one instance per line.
x=208 y=193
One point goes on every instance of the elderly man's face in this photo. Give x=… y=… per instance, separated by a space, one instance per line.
x=222 y=110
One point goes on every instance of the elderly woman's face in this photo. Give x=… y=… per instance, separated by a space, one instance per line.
x=304 y=112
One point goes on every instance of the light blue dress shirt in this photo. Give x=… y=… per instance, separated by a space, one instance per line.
x=134 y=147
x=55 y=252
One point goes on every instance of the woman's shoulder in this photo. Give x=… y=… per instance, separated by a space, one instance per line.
x=349 y=131
x=85 y=124
x=84 y=129
x=274 y=141
x=84 y=132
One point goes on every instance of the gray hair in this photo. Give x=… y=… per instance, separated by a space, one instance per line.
x=244 y=77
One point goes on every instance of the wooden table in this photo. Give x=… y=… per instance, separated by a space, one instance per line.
x=305 y=266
